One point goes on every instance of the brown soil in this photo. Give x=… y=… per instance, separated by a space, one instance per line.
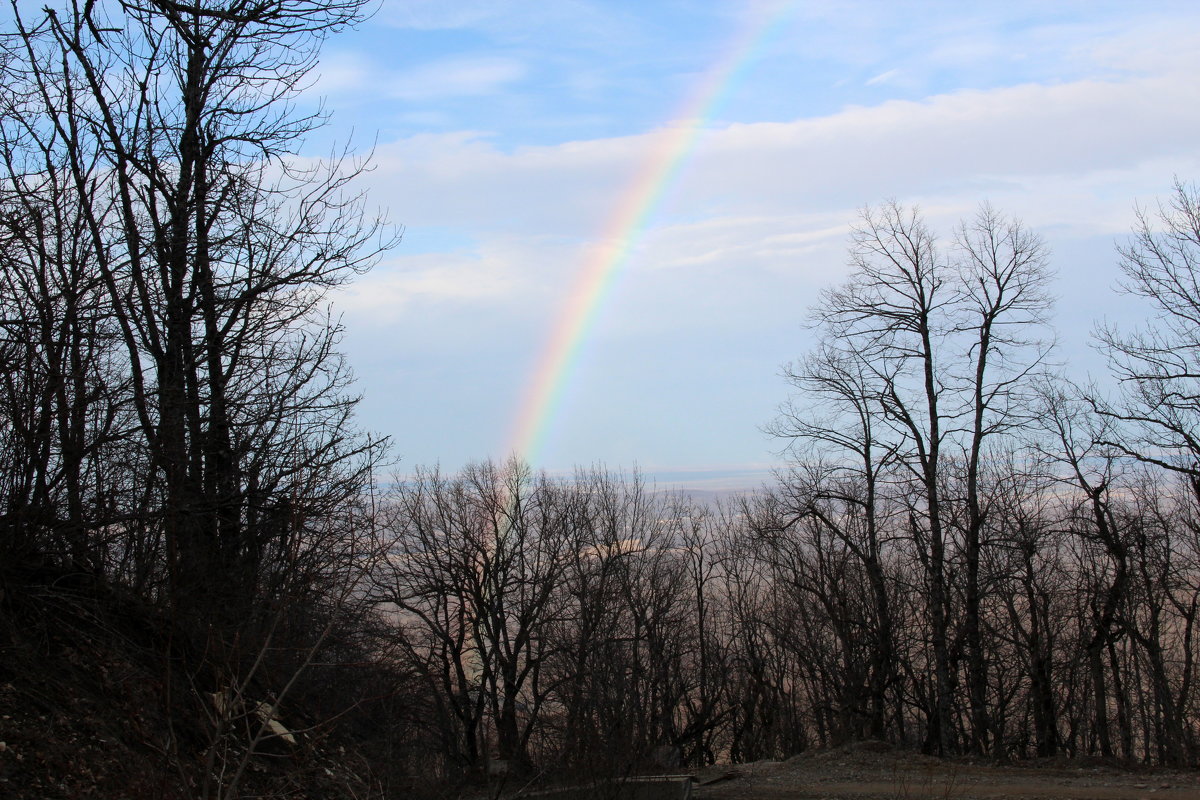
x=873 y=771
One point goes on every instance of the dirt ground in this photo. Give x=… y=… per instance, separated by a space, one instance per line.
x=873 y=771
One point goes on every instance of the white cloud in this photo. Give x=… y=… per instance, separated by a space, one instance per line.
x=966 y=144
x=499 y=275
x=453 y=77
x=350 y=75
x=342 y=73
x=902 y=147
x=438 y=14
x=763 y=243
x=760 y=211
x=580 y=22
x=882 y=77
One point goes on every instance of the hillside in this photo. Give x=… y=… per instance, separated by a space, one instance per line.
x=92 y=706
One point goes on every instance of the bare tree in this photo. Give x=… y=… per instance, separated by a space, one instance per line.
x=476 y=573
x=1159 y=365
x=1003 y=303
x=610 y=519
x=1031 y=575
x=843 y=457
x=924 y=357
x=892 y=312
x=213 y=247
x=1156 y=418
x=1076 y=442
x=183 y=421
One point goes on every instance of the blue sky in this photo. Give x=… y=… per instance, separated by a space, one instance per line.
x=506 y=132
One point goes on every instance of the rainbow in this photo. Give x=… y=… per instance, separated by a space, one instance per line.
x=629 y=221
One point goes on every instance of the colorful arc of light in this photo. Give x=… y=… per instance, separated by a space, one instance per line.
x=626 y=226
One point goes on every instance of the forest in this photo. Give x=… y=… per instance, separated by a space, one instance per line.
x=965 y=552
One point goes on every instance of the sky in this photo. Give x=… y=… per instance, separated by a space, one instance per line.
x=616 y=214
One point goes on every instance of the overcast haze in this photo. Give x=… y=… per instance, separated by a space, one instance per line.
x=507 y=132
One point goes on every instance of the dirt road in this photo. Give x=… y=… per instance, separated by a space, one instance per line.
x=871 y=771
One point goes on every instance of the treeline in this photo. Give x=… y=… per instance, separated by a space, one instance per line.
x=966 y=553
x=593 y=625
